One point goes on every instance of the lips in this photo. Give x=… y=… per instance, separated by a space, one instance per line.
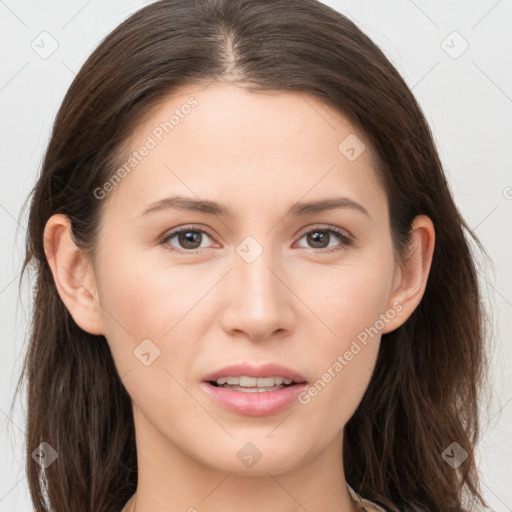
x=265 y=370
x=261 y=403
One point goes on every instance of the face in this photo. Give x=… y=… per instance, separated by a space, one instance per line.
x=268 y=280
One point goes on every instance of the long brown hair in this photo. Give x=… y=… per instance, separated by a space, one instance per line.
x=425 y=391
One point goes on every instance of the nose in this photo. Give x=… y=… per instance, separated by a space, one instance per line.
x=259 y=302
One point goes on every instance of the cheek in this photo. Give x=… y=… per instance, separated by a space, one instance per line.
x=132 y=304
x=141 y=305
x=345 y=358
x=351 y=303
x=144 y=299
x=349 y=298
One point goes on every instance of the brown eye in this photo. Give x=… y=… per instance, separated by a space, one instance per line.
x=188 y=239
x=319 y=238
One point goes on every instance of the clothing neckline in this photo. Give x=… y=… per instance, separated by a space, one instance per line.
x=367 y=505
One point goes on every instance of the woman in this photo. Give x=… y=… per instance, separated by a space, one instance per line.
x=253 y=285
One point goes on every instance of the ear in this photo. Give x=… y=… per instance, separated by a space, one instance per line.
x=410 y=280
x=73 y=275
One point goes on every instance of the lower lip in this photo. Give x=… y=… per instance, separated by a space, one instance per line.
x=260 y=403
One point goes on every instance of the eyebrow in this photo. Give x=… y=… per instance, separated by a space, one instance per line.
x=214 y=208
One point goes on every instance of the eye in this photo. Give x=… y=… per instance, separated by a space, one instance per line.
x=188 y=237
x=318 y=237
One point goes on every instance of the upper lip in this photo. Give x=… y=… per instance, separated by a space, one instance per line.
x=265 y=370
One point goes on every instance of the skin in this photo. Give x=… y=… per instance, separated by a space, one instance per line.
x=258 y=154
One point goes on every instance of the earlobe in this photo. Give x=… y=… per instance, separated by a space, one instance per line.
x=73 y=275
x=412 y=276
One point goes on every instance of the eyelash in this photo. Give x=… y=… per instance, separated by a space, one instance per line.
x=345 y=239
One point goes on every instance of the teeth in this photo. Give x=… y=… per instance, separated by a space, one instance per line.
x=251 y=390
x=253 y=382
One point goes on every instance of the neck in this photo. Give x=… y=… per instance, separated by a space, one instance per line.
x=170 y=479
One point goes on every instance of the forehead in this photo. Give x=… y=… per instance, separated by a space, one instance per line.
x=223 y=140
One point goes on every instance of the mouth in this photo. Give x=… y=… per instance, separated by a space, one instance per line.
x=247 y=384
x=254 y=391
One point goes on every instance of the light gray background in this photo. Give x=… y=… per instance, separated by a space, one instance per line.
x=467 y=99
